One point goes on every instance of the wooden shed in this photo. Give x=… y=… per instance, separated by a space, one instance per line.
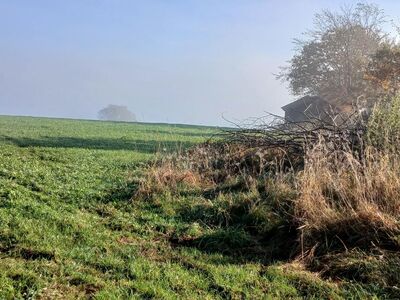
x=306 y=108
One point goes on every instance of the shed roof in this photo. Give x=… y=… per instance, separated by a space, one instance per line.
x=303 y=102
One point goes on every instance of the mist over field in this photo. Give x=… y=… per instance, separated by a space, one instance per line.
x=179 y=62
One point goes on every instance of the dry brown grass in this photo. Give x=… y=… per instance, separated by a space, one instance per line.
x=351 y=197
x=343 y=197
x=210 y=165
x=167 y=175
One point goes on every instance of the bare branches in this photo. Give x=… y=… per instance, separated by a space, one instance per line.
x=273 y=132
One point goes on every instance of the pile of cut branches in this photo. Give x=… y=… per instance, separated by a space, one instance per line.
x=293 y=138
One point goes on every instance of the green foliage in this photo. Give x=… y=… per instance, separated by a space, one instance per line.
x=384 y=124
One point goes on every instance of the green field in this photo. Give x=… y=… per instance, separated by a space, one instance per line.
x=71 y=228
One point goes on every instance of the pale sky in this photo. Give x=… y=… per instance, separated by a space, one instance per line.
x=170 y=61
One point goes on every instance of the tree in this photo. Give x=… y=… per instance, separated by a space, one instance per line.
x=331 y=62
x=116 y=113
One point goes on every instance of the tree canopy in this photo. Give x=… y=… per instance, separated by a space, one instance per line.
x=116 y=113
x=331 y=62
x=384 y=69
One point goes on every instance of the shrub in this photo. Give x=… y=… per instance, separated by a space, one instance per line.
x=384 y=125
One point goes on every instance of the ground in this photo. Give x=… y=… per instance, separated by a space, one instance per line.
x=71 y=227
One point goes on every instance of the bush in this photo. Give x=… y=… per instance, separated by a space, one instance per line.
x=384 y=125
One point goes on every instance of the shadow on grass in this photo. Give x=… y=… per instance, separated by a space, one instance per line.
x=144 y=146
x=119 y=194
x=241 y=230
x=246 y=224
x=173 y=132
x=242 y=247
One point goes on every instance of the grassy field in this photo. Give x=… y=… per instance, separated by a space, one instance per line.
x=71 y=228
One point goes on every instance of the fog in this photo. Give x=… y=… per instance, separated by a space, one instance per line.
x=194 y=62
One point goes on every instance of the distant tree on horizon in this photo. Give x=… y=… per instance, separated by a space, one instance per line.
x=116 y=113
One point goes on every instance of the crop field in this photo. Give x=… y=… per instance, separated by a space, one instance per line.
x=71 y=227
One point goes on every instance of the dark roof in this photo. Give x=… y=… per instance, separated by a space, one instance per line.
x=303 y=103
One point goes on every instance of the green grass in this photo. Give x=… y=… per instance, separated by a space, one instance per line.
x=69 y=227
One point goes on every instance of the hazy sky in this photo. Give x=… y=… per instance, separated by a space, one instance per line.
x=168 y=61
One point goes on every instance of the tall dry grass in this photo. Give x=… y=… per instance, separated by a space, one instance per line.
x=338 y=185
x=345 y=196
x=354 y=196
x=356 y=200
x=209 y=166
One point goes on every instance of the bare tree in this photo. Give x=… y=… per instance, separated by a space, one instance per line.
x=116 y=113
